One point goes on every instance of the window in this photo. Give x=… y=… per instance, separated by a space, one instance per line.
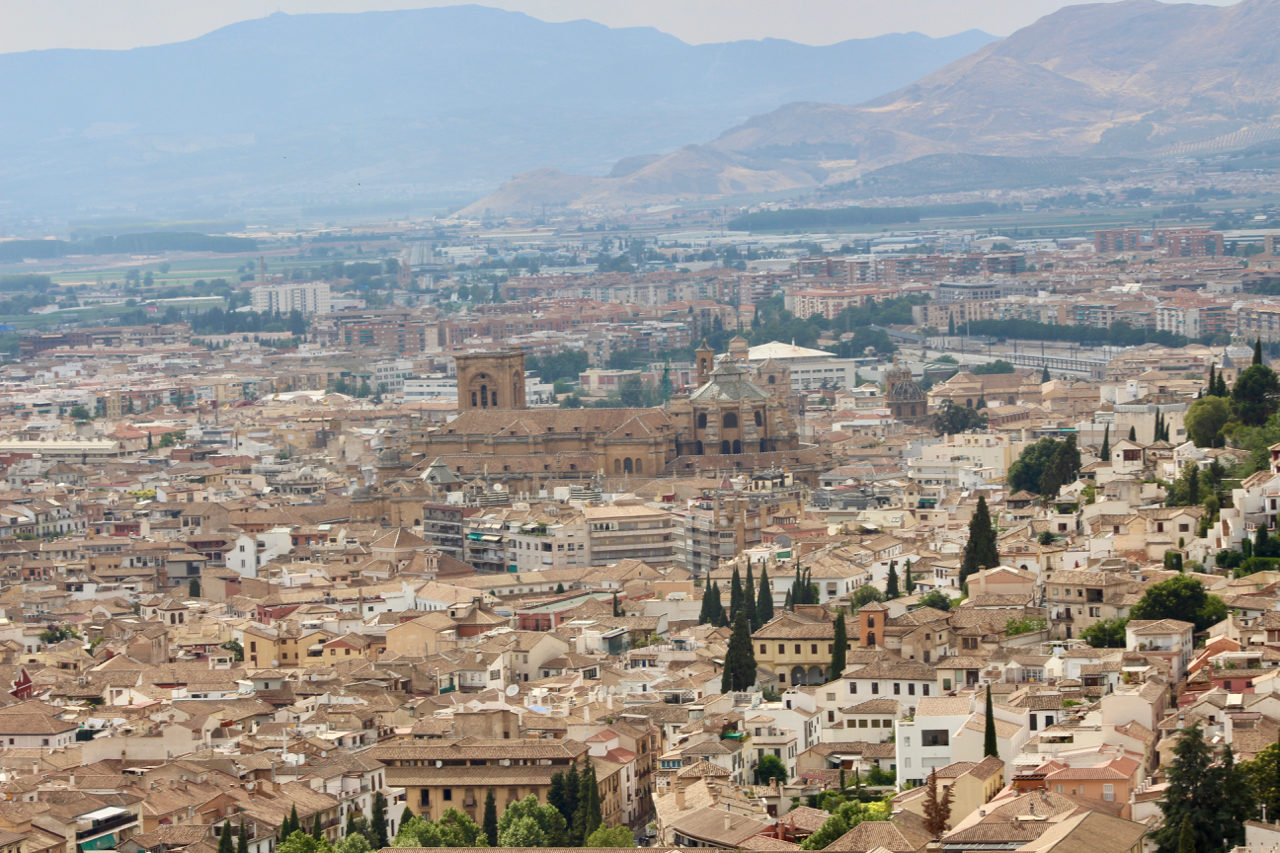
x=813 y=648
x=906 y=742
x=1057 y=789
x=897 y=689
x=763 y=649
x=911 y=689
x=782 y=650
x=1108 y=792
x=448 y=794
x=853 y=687
x=1095 y=612
x=935 y=737
x=925 y=689
x=875 y=724
x=875 y=687
x=797 y=648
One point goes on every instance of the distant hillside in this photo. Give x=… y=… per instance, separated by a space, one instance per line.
x=327 y=110
x=1104 y=80
x=946 y=173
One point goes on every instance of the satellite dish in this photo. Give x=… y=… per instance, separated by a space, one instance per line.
x=513 y=689
x=439 y=764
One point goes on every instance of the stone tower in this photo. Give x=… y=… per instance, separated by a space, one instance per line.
x=705 y=359
x=491 y=381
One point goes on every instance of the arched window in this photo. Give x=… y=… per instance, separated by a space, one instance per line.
x=871 y=638
x=773 y=380
x=816 y=675
x=702 y=420
x=913 y=411
x=573 y=466
x=484 y=396
x=697 y=448
x=797 y=676
x=473 y=399
x=730 y=420
x=725 y=447
x=617 y=466
x=417 y=522
x=626 y=466
x=639 y=466
x=737 y=446
x=702 y=366
x=759 y=418
x=969 y=403
x=493 y=397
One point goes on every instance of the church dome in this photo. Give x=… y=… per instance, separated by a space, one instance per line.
x=361 y=493
x=388 y=457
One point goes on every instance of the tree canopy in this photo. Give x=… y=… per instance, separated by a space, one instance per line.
x=1183 y=598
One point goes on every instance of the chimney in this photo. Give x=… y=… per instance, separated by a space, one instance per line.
x=679 y=797
x=728 y=823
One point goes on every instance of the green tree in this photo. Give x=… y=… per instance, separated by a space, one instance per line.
x=528 y=819
x=891 y=582
x=1027 y=470
x=864 y=595
x=1105 y=452
x=80 y=413
x=356 y=843
x=749 y=600
x=1205 y=419
x=770 y=767
x=1106 y=634
x=1256 y=395
x=301 y=842
x=1044 y=375
x=1183 y=598
x=611 y=836
x=193 y=588
x=839 y=648
x=844 y=818
x=1187 y=837
x=588 y=817
x=242 y=838
x=1062 y=468
x=1257 y=352
x=378 y=822
x=740 y=660
x=235 y=648
x=1263 y=775
x=936 y=599
x=1202 y=794
x=563 y=794
x=1133 y=433
x=225 y=842
x=909 y=583
x=951 y=419
x=735 y=594
x=990 y=746
x=980 y=551
x=293 y=824
x=764 y=604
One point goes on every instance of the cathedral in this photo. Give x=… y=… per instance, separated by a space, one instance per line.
x=906 y=400
x=735 y=419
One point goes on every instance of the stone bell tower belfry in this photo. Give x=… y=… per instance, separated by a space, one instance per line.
x=705 y=359
x=491 y=381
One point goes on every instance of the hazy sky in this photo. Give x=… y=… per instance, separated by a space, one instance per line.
x=35 y=24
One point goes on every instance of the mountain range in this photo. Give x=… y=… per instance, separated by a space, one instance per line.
x=360 y=108
x=1129 y=78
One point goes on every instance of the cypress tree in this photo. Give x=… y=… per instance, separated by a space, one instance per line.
x=1105 y=453
x=735 y=595
x=704 y=613
x=1212 y=389
x=909 y=582
x=1044 y=374
x=1133 y=433
x=294 y=824
x=980 y=552
x=788 y=604
x=989 y=744
x=617 y=611
x=242 y=842
x=1257 y=351
x=1193 y=485
x=764 y=604
x=378 y=823
x=491 y=819
x=572 y=788
x=225 y=844
x=1222 y=386
x=588 y=817
x=749 y=600
x=1187 y=837
x=842 y=784
x=951 y=325
x=839 y=646
x=317 y=831
x=891 y=583
x=740 y=659
x=722 y=617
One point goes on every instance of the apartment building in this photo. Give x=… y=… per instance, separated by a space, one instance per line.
x=308 y=297
x=630 y=532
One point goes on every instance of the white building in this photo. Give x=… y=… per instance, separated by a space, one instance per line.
x=309 y=297
x=810 y=368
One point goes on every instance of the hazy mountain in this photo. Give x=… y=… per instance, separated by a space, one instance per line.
x=1135 y=77
x=360 y=107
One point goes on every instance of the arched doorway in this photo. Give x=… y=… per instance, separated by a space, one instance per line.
x=730 y=420
x=639 y=466
x=759 y=419
x=726 y=447
x=871 y=638
x=617 y=466
x=626 y=466
x=797 y=676
x=816 y=675
x=737 y=446
x=702 y=420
